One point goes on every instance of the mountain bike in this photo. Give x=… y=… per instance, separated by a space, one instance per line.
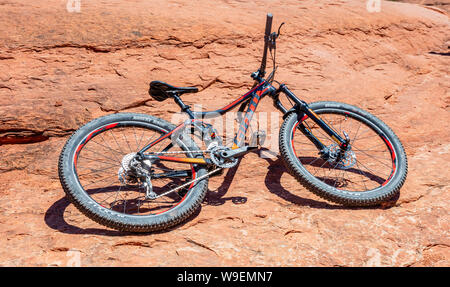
x=139 y=173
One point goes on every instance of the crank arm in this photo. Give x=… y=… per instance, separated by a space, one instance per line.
x=238 y=152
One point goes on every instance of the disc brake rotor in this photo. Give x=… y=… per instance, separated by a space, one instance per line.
x=346 y=162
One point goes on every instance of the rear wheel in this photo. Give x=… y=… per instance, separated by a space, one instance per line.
x=94 y=170
x=370 y=172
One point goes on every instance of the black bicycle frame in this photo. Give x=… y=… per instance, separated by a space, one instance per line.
x=260 y=89
x=304 y=111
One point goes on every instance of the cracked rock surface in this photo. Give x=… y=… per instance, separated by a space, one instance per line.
x=59 y=70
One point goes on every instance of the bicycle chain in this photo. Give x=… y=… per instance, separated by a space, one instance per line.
x=213 y=159
x=189 y=182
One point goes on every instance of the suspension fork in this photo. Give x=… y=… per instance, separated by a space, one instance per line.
x=304 y=111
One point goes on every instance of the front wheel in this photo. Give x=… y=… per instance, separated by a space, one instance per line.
x=371 y=171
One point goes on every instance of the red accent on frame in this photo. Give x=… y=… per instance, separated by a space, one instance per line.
x=242 y=97
x=248 y=116
x=166 y=135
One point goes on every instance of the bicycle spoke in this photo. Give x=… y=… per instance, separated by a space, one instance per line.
x=96 y=171
x=376 y=158
x=115 y=140
x=102 y=175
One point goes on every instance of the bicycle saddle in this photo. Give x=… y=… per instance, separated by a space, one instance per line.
x=161 y=91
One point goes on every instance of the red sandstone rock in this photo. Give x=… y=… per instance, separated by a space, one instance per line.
x=442 y=6
x=59 y=70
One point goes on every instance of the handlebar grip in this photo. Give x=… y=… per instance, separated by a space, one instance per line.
x=268 y=24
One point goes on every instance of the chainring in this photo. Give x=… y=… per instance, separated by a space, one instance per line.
x=218 y=160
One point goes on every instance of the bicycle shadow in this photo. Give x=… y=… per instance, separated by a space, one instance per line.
x=54 y=218
x=217 y=198
x=273 y=183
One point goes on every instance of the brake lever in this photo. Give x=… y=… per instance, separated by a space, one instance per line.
x=272 y=40
x=273 y=37
x=279 y=28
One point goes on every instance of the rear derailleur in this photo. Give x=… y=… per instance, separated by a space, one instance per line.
x=134 y=172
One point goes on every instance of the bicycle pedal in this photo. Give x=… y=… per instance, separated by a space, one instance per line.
x=257 y=139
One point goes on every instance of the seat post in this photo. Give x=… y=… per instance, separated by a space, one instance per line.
x=185 y=108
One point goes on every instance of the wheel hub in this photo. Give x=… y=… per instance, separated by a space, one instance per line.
x=345 y=161
x=125 y=174
x=131 y=169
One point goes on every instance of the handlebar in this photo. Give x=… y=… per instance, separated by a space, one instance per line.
x=268 y=24
x=262 y=69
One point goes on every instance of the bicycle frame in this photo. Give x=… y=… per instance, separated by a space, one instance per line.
x=261 y=89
